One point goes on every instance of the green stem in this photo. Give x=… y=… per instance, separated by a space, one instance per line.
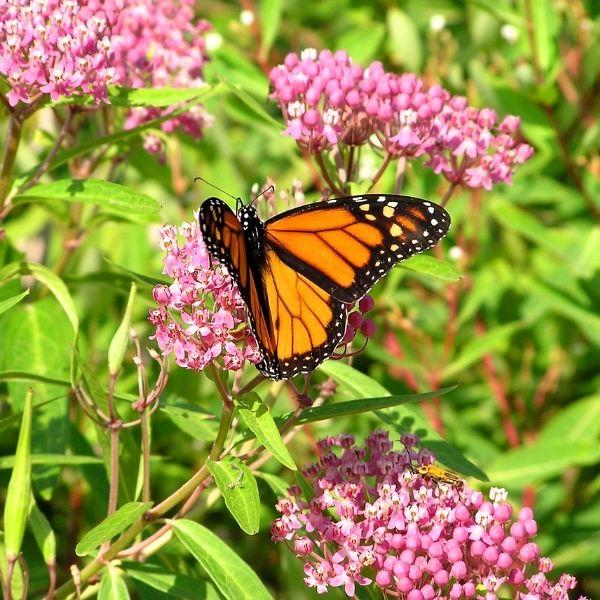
x=145 y=427
x=13 y=136
x=175 y=498
x=325 y=172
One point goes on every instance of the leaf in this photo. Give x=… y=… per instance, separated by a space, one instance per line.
x=576 y=422
x=240 y=491
x=270 y=17
x=542 y=21
x=478 y=346
x=232 y=576
x=587 y=260
x=42 y=532
x=542 y=461
x=192 y=420
x=432 y=267
x=362 y=44
x=120 y=341
x=113 y=525
x=334 y=410
x=112 y=586
x=258 y=419
x=114 y=197
x=253 y=105
x=52 y=281
x=157 y=97
x=16 y=507
x=7 y=462
x=175 y=584
x=10 y=302
x=354 y=381
x=404 y=42
x=276 y=483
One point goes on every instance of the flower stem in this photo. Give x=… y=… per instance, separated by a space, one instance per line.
x=13 y=136
x=381 y=170
x=325 y=172
x=449 y=193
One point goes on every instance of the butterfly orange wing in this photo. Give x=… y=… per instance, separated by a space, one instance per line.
x=348 y=244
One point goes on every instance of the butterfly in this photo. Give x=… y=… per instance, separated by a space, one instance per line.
x=297 y=270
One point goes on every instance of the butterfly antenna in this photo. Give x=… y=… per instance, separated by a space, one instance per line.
x=216 y=187
x=271 y=188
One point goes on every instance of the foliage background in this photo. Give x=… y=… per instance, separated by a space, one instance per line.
x=519 y=332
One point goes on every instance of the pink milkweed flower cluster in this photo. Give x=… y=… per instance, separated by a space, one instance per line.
x=56 y=47
x=160 y=43
x=201 y=316
x=373 y=520
x=326 y=100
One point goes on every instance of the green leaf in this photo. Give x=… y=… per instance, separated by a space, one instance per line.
x=240 y=491
x=157 y=97
x=542 y=461
x=71 y=460
x=52 y=281
x=10 y=302
x=120 y=341
x=113 y=197
x=576 y=422
x=357 y=383
x=477 y=347
x=334 y=410
x=542 y=22
x=432 y=267
x=232 y=576
x=362 y=44
x=112 y=586
x=307 y=491
x=277 y=484
x=192 y=420
x=403 y=41
x=113 y=525
x=175 y=584
x=258 y=419
x=270 y=17
x=42 y=532
x=253 y=105
x=16 y=507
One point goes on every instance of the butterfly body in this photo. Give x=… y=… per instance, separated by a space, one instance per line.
x=297 y=270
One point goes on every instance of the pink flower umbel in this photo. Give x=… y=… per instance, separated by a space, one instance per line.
x=56 y=47
x=161 y=44
x=201 y=317
x=373 y=519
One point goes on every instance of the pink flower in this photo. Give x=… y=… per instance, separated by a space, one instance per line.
x=200 y=315
x=372 y=513
x=56 y=47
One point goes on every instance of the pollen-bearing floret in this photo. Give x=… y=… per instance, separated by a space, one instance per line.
x=201 y=317
x=374 y=519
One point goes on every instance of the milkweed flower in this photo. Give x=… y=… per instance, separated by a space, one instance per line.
x=161 y=44
x=373 y=520
x=56 y=47
x=200 y=317
x=326 y=99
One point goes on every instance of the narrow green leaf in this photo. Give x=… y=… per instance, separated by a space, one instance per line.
x=576 y=422
x=192 y=420
x=258 y=419
x=542 y=21
x=432 y=267
x=232 y=576
x=18 y=492
x=542 y=461
x=357 y=383
x=174 y=584
x=112 y=586
x=120 y=341
x=10 y=302
x=112 y=196
x=111 y=526
x=277 y=484
x=42 y=532
x=477 y=347
x=240 y=491
x=362 y=44
x=253 y=104
x=404 y=42
x=44 y=275
x=270 y=17
x=156 y=97
x=307 y=491
x=71 y=460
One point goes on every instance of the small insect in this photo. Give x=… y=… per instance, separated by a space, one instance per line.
x=238 y=483
x=297 y=271
x=438 y=474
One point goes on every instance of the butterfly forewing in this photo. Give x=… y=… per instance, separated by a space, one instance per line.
x=348 y=244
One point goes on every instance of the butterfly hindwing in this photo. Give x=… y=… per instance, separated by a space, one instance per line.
x=346 y=245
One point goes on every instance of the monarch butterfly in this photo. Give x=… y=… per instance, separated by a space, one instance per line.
x=297 y=270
